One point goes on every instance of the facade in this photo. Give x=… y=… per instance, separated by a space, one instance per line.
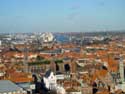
x=87 y=90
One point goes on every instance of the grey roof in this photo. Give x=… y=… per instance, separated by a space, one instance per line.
x=58 y=73
x=57 y=51
x=77 y=49
x=8 y=86
x=48 y=73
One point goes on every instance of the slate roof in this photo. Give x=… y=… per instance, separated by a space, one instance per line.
x=8 y=86
x=48 y=73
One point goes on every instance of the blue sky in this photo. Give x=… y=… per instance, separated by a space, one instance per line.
x=61 y=15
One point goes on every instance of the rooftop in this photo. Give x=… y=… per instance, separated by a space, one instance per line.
x=8 y=86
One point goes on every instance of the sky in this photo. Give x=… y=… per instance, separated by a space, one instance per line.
x=61 y=15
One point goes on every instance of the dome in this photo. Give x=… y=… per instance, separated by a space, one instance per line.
x=47 y=37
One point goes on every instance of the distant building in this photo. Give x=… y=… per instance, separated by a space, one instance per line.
x=47 y=39
x=121 y=70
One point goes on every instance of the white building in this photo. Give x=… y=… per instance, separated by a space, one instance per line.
x=50 y=80
x=47 y=39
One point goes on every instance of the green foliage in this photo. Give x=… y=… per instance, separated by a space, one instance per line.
x=59 y=61
x=39 y=63
x=39 y=58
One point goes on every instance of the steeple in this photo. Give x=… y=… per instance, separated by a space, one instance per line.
x=25 y=58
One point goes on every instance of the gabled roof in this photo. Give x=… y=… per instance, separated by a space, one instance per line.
x=48 y=73
x=8 y=86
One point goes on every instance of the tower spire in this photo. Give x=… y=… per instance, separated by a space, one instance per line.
x=25 y=59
